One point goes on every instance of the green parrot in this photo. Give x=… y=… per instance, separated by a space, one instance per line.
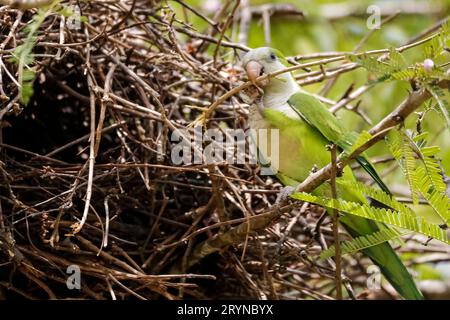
x=305 y=127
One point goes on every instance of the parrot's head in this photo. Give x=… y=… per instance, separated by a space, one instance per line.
x=264 y=60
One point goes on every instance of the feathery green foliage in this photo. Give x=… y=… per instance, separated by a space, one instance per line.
x=424 y=175
x=396 y=61
x=390 y=67
x=435 y=46
x=23 y=54
x=396 y=218
x=363 y=242
x=380 y=69
x=399 y=145
x=442 y=104
x=377 y=195
x=386 y=234
x=394 y=66
x=437 y=200
x=431 y=165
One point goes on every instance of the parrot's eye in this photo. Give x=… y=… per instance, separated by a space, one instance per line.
x=273 y=56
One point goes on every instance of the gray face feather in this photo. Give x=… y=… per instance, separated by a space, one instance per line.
x=260 y=54
x=278 y=89
x=265 y=56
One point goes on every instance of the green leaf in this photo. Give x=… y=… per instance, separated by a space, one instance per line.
x=438 y=200
x=84 y=19
x=396 y=60
x=23 y=55
x=432 y=49
x=443 y=106
x=400 y=146
x=371 y=64
x=435 y=46
x=27 y=91
x=363 y=242
x=394 y=68
x=404 y=75
x=431 y=166
x=388 y=216
x=377 y=195
x=432 y=171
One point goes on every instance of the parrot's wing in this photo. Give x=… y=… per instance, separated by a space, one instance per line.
x=311 y=110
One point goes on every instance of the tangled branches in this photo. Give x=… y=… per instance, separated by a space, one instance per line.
x=86 y=173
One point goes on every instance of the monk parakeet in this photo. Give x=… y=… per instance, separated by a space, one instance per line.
x=305 y=127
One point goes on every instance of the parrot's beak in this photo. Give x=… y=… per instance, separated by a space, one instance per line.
x=253 y=70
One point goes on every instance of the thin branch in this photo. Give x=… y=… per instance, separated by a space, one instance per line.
x=337 y=242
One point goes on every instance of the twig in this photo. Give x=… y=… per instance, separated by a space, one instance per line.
x=77 y=228
x=245 y=18
x=224 y=29
x=337 y=242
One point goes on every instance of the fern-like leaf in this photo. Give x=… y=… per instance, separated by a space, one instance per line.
x=396 y=60
x=436 y=45
x=363 y=242
x=404 y=75
x=377 y=195
x=443 y=106
x=399 y=144
x=432 y=168
x=380 y=69
x=437 y=200
x=396 y=218
x=23 y=54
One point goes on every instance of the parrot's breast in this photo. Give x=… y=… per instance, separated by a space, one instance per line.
x=290 y=145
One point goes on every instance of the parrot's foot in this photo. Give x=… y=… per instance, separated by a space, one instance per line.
x=284 y=194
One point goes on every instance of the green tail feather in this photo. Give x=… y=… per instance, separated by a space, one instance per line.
x=368 y=167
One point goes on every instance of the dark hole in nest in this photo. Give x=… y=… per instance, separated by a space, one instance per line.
x=51 y=119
